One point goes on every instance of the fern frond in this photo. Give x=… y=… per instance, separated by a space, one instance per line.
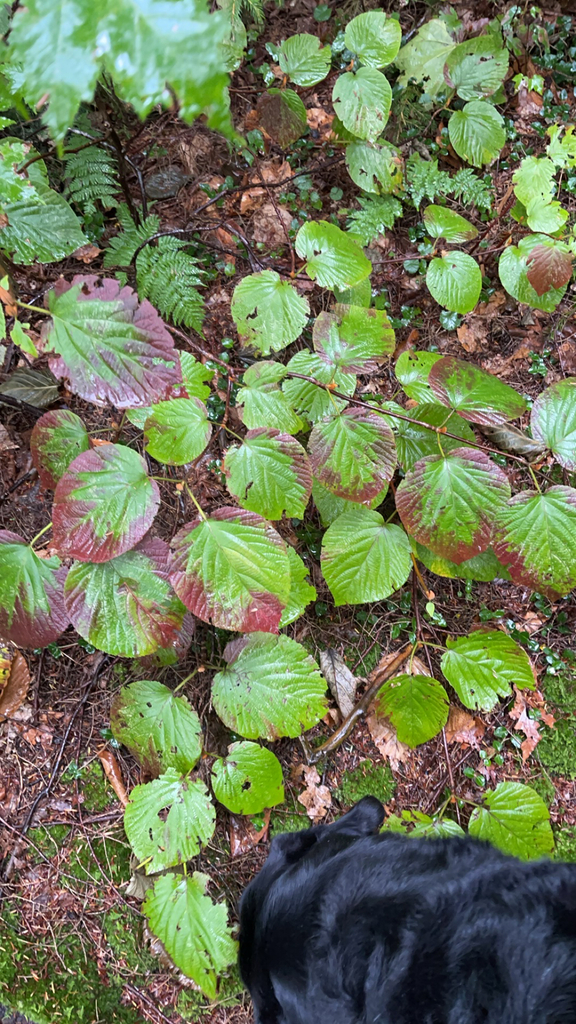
x=251 y=8
x=92 y=177
x=168 y=276
x=121 y=249
x=376 y=214
x=425 y=179
x=471 y=190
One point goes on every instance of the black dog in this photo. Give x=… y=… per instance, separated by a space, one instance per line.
x=342 y=926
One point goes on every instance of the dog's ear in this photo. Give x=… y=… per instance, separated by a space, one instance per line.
x=364 y=819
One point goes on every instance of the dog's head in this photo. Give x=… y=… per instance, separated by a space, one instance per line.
x=286 y=850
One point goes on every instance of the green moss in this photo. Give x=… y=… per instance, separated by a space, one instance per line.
x=107 y=858
x=542 y=783
x=48 y=839
x=193 y=1005
x=560 y=690
x=557 y=748
x=565 y=844
x=367 y=662
x=367 y=779
x=289 y=817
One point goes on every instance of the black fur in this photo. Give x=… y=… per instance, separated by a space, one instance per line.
x=342 y=926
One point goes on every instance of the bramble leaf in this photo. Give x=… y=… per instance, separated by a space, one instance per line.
x=353 y=338
x=32 y=610
x=248 y=779
x=535 y=538
x=440 y=222
x=163 y=840
x=353 y=454
x=304 y=59
x=261 y=402
x=364 y=558
x=282 y=116
x=160 y=729
x=313 y=401
x=414 y=442
x=374 y=38
x=57 y=438
x=412 y=370
x=553 y=420
x=477 y=67
x=424 y=56
x=483 y=666
x=375 y=167
x=269 y=474
x=301 y=590
x=334 y=259
x=477 y=132
x=177 y=431
x=455 y=281
x=476 y=395
x=513 y=270
x=417 y=706
x=268 y=312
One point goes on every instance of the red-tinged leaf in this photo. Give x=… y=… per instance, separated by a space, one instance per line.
x=548 y=267
x=32 y=611
x=353 y=454
x=232 y=570
x=477 y=396
x=448 y=503
x=113 y=349
x=126 y=606
x=353 y=338
x=104 y=504
x=57 y=438
x=535 y=538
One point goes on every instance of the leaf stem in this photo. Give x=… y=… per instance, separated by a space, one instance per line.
x=35 y=309
x=200 y=512
x=38 y=535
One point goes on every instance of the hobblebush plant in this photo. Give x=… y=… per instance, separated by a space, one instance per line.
x=393 y=485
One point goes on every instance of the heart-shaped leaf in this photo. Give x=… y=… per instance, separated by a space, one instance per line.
x=304 y=59
x=374 y=38
x=515 y=819
x=417 y=706
x=448 y=503
x=57 y=438
x=248 y=779
x=232 y=570
x=270 y=474
x=477 y=67
x=193 y=930
x=516 y=261
x=314 y=402
x=32 y=610
x=483 y=666
x=477 y=132
x=177 y=431
x=103 y=504
x=261 y=402
x=536 y=539
x=113 y=349
x=301 y=590
x=440 y=222
x=353 y=338
x=412 y=370
x=423 y=57
x=268 y=312
x=548 y=267
x=334 y=259
x=126 y=606
x=414 y=442
x=364 y=558
x=160 y=729
x=282 y=116
x=455 y=281
x=353 y=454
x=272 y=687
x=163 y=840
x=553 y=420
x=362 y=101
x=375 y=167
x=476 y=395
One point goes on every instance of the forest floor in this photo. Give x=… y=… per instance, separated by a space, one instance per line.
x=73 y=943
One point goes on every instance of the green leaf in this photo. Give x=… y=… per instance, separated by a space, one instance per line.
x=269 y=474
x=562 y=146
x=448 y=503
x=440 y=222
x=282 y=116
x=261 y=402
x=353 y=338
x=483 y=666
x=455 y=281
x=168 y=276
x=103 y=504
x=194 y=376
x=113 y=350
x=248 y=779
x=547 y=218
x=412 y=370
x=330 y=506
x=57 y=438
x=32 y=610
x=272 y=687
x=192 y=929
x=301 y=590
x=304 y=59
x=484 y=567
x=375 y=167
x=361 y=294
x=311 y=400
x=38 y=222
x=126 y=606
x=177 y=431
x=478 y=396
x=424 y=56
x=269 y=313
x=374 y=38
x=553 y=420
x=477 y=67
x=334 y=259
x=515 y=819
x=513 y=270
x=364 y=558
x=417 y=706
x=160 y=729
x=163 y=840
x=362 y=101
x=414 y=442
x=232 y=570
x=477 y=132
x=353 y=454
x=534 y=180
x=536 y=539
x=436 y=828
x=63 y=47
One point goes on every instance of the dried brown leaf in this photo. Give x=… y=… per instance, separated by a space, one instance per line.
x=340 y=679
x=464 y=728
x=13 y=693
x=315 y=798
x=385 y=738
x=113 y=774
